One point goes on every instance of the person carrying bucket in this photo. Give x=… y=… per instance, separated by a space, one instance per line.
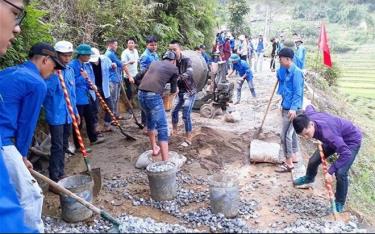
x=57 y=114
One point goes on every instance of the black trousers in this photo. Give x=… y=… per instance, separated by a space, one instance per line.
x=59 y=145
x=86 y=113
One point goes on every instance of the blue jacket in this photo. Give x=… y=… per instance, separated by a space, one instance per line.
x=243 y=68
x=300 y=57
x=22 y=91
x=115 y=73
x=147 y=58
x=206 y=58
x=260 y=47
x=291 y=84
x=55 y=106
x=11 y=212
x=106 y=65
x=82 y=87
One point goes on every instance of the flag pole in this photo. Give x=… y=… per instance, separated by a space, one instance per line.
x=316 y=72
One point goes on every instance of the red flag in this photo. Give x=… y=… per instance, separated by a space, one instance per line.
x=323 y=46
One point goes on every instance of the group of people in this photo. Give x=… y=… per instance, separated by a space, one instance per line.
x=67 y=88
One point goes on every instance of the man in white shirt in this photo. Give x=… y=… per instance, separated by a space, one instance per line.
x=130 y=58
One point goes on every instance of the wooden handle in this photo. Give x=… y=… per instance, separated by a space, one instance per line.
x=65 y=191
x=269 y=104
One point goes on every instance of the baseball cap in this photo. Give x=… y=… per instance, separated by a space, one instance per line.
x=170 y=55
x=95 y=55
x=46 y=50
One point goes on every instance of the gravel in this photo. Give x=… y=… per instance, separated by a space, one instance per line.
x=305 y=206
x=160 y=167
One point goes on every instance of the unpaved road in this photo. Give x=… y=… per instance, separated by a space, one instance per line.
x=217 y=146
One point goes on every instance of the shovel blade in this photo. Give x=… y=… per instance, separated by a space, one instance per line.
x=97 y=178
x=343 y=217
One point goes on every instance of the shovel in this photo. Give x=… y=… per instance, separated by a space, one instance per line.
x=103 y=214
x=345 y=216
x=94 y=173
x=127 y=101
x=257 y=133
x=106 y=108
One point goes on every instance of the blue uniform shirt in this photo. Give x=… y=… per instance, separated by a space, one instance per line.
x=147 y=58
x=291 y=90
x=55 y=106
x=243 y=68
x=82 y=87
x=22 y=91
x=115 y=73
x=260 y=47
x=300 y=57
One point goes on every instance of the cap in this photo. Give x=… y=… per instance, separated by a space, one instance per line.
x=95 y=55
x=83 y=49
x=170 y=55
x=64 y=47
x=287 y=53
x=234 y=58
x=46 y=50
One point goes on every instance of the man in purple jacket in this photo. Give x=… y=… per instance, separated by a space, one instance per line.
x=338 y=136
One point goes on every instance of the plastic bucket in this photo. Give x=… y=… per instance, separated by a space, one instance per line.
x=163 y=184
x=72 y=210
x=224 y=195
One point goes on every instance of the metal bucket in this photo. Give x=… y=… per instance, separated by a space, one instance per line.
x=224 y=195
x=72 y=210
x=163 y=184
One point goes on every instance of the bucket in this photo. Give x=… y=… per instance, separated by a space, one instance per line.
x=163 y=183
x=168 y=102
x=224 y=195
x=72 y=210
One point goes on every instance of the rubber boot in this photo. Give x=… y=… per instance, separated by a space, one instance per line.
x=253 y=92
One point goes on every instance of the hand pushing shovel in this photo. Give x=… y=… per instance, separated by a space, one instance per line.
x=106 y=108
x=94 y=173
x=127 y=101
x=257 y=133
x=90 y=206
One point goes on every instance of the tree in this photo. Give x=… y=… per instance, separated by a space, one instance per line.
x=238 y=9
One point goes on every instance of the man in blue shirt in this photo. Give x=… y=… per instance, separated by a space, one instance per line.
x=22 y=91
x=57 y=113
x=292 y=99
x=148 y=56
x=260 y=53
x=300 y=56
x=11 y=212
x=245 y=73
x=115 y=75
x=85 y=98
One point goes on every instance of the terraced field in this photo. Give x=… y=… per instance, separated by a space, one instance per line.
x=358 y=78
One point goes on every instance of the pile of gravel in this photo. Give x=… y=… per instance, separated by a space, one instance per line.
x=305 y=206
x=161 y=167
x=129 y=224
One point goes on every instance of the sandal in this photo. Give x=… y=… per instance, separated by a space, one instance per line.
x=186 y=143
x=284 y=168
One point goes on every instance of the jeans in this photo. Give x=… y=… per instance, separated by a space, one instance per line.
x=273 y=62
x=59 y=144
x=239 y=88
x=86 y=112
x=185 y=101
x=156 y=118
x=115 y=96
x=29 y=194
x=342 y=182
x=259 y=62
x=289 y=140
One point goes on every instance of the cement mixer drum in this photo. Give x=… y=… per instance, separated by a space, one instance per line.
x=200 y=68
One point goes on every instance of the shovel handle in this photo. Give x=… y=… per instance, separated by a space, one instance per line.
x=72 y=115
x=85 y=203
x=269 y=104
x=130 y=106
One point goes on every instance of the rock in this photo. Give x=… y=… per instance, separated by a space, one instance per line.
x=146 y=158
x=261 y=151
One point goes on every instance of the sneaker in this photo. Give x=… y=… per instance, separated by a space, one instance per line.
x=98 y=141
x=339 y=207
x=302 y=180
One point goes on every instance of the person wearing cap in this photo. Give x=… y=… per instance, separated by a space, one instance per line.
x=150 y=93
x=85 y=97
x=22 y=91
x=300 y=55
x=147 y=57
x=260 y=53
x=56 y=110
x=245 y=73
x=102 y=67
x=186 y=94
x=115 y=75
x=292 y=100
x=12 y=213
